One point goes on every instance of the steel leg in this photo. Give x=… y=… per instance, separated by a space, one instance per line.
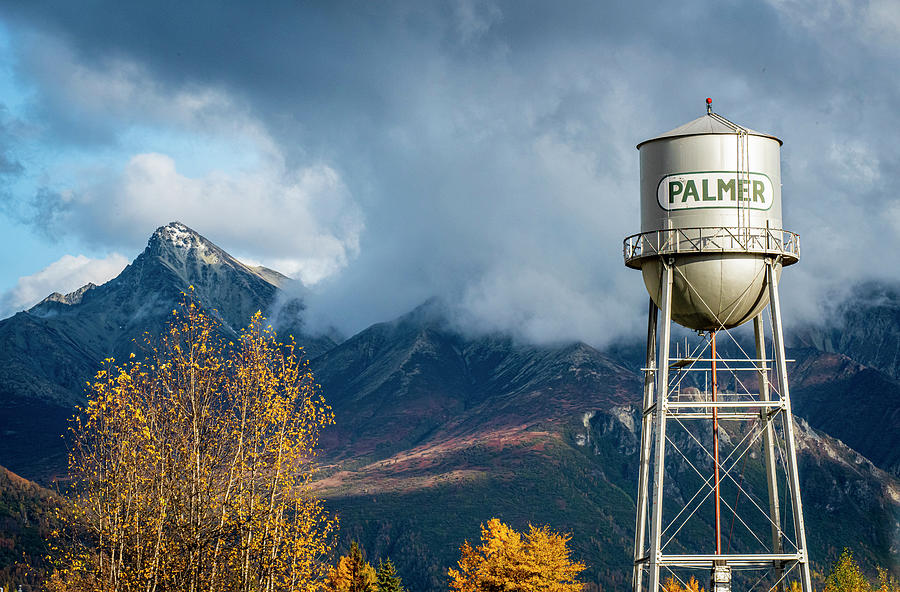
x=769 y=445
x=640 y=530
x=662 y=390
x=790 y=441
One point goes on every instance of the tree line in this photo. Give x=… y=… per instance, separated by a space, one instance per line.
x=535 y=561
x=192 y=468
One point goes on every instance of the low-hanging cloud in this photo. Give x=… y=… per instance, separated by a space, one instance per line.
x=65 y=275
x=480 y=151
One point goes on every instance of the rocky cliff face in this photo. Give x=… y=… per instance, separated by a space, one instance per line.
x=865 y=327
x=846 y=381
x=67 y=299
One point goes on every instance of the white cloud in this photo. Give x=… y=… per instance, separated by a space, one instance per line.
x=196 y=154
x=875 y=23
x=64 y=275
x=540 y=305
x=491 y=151
x=300 y=221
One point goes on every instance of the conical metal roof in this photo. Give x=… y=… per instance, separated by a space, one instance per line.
x=711 y=123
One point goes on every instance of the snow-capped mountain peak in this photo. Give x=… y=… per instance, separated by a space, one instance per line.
x=178 y=238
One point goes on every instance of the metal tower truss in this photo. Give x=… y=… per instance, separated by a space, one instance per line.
x=702 y=448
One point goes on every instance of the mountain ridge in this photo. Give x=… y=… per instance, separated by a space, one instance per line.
x=48 y=353
x=543 y=425
x=864 y=325
x=437 y=429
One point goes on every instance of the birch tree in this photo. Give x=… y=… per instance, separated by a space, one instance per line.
x=192 y=468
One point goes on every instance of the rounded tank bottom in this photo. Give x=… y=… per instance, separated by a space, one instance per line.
x=715 y=291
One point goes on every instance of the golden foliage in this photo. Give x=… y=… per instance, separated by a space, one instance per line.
x=352 y=574
x=673 y=585
x=887 y=582
x=509 y=561
x=192 y=468
x=846 y=576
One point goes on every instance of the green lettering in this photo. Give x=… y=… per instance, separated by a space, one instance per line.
x=690 y=190
x=726 y=187
x=706 y=195
x=744 y=189
x=675 y=187
x=758 y=188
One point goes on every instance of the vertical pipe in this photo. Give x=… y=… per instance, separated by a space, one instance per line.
x=769 y=445
x=640 y=529
x=715 y=415
x=787 y=418
x=662 y=393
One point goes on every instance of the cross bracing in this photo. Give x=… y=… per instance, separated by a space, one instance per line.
x=765 y=539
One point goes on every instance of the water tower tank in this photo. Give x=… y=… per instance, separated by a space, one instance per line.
x=711 y=207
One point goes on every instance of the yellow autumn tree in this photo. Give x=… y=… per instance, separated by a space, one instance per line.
x=509 y=561
x=887 y=582
x=192 y=468
x=847 y=576
x=673 y=585
x=352 y=573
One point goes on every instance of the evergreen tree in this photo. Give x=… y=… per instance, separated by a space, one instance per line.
x=388 y=580
x=352 y=574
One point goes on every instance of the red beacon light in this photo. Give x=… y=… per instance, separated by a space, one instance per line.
x=708 y=105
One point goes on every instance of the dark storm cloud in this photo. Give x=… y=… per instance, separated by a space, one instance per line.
x=330 y=63
x=490 y=146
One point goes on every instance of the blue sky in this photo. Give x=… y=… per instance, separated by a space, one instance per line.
x=384 y=153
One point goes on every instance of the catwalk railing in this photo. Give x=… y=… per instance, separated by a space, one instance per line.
x=712 y=239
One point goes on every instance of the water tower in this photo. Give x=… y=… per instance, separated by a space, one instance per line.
x=711 y=251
